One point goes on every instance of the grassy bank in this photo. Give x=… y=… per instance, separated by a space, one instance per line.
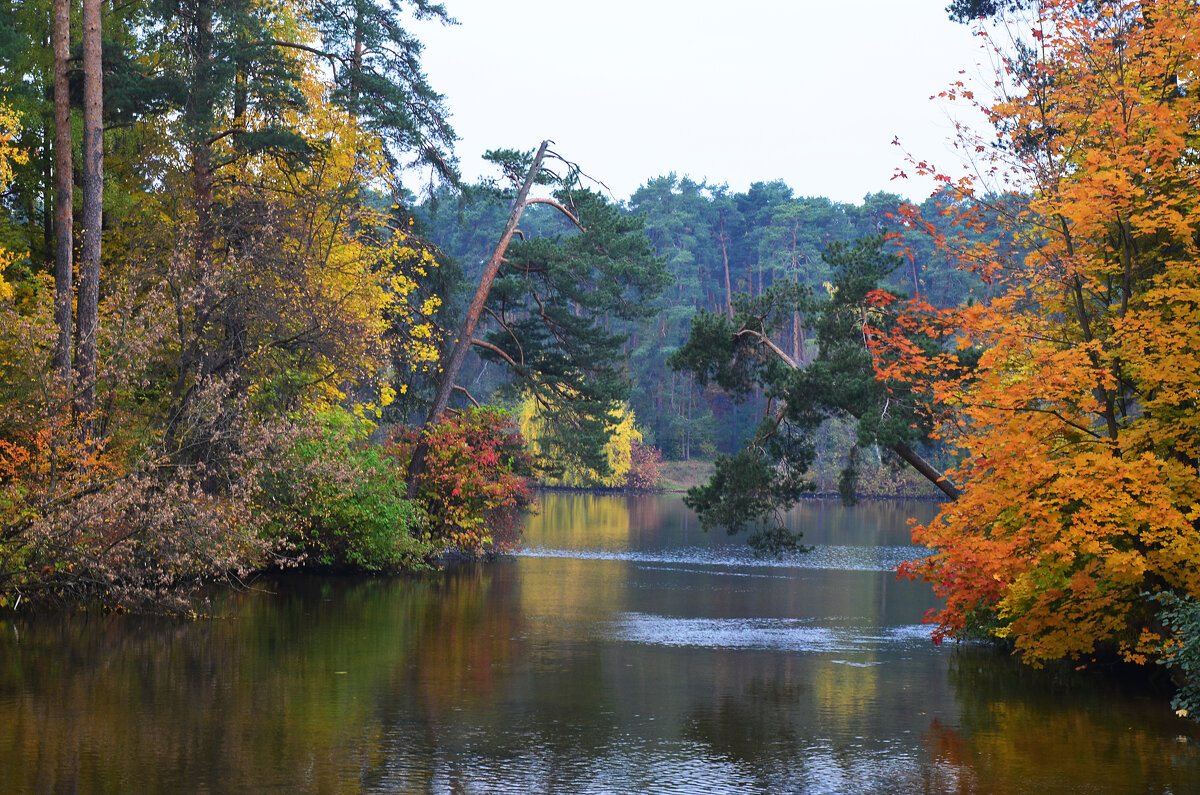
x=679 y=476
x=682 y=475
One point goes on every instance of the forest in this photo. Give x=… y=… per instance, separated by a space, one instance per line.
x=234 y=339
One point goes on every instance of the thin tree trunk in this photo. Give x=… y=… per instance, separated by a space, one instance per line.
x=92 y=216
x=198 y=116
x=728 y=283
x=797 y=332
x=459 y=353
x=796 y=337
x=356 y=61
x=687 y=431
x=63 y=191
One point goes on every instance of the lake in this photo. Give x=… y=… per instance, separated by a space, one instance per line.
x=623 y=650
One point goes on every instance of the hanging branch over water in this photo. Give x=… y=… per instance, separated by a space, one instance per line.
x=738 y=354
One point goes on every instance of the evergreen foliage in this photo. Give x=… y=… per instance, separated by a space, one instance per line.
x=762 y=238
x=738 y=354
x=1180 y=616
x=559 y=308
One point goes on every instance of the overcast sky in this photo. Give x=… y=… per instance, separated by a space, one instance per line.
x=809 y=92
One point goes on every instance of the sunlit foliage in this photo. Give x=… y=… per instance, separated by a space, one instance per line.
x=258 y=278
x=618 y=452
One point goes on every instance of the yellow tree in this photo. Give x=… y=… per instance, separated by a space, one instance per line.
x=9 y=127
x=307 y=301
x=618 y=451
x=1077 y=412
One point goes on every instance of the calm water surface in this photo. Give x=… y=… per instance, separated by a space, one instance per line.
x=623 y=651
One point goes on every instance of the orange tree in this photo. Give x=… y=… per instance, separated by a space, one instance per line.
x=1077 y=410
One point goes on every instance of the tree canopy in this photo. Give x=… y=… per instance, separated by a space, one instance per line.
x=1076 y=426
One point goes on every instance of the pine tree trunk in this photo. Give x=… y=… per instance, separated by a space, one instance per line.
x=687 y=439
x=931 y=474
x=796 y=330
x=92 y=215
x=796 y=338
x=63 y=191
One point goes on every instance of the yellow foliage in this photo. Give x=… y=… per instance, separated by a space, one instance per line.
x=361 y=270
x=619 y=450
x=9 y=154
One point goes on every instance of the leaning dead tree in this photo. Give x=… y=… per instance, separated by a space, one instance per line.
x=562 y=305
x=458 y=355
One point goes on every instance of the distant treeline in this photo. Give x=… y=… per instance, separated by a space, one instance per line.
x=717 y=244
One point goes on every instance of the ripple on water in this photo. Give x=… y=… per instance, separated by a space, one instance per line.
x=775 y=634
x=825 y=556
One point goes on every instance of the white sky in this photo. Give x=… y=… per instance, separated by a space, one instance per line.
x=810 y=91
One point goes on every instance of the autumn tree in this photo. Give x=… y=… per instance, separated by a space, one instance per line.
x=1077 y=427
x=257 y=298
x=623 y=437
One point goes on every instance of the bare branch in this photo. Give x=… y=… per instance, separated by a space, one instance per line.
x=558 y=206
x=470 y=397
x=329 y=56
x=487 y=346
x=765 y=340
x=505 y=326
x=575 y=167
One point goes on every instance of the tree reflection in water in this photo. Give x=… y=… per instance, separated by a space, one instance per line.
x=641 y=655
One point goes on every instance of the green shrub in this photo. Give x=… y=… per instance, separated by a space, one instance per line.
x=340 y=503
x=1181 y=615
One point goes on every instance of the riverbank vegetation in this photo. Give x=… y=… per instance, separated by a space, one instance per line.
x=231 y=338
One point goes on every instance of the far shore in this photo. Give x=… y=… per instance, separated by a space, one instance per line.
x=679 y=476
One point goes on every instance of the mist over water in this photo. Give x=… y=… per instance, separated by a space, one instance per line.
x=622 y=650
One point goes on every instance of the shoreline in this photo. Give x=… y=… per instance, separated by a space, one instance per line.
x=677 y=489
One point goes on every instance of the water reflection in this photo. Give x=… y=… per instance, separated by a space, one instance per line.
x=648 y=657
x=646 y=524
